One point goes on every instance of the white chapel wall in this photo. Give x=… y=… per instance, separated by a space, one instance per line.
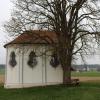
x=54 y=75
x=12 y=73
x=22 y=75
x=31 y=75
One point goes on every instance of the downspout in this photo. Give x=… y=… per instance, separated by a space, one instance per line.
x=42 y=68
x=6 y=66
x=45 y=67
x=19 y=67
x=22 y=63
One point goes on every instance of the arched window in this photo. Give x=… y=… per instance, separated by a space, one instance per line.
x=12 y=60
x=32 y=62
x=54 y=62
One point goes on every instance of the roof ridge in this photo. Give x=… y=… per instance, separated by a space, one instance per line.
x=24 y=37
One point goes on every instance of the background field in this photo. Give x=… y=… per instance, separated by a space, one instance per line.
x=90 y=76
x=86 y=74
x=2 y=71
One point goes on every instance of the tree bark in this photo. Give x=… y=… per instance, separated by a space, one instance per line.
x=67 y=74
x=66 y=61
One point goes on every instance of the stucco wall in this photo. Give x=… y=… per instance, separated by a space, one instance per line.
x=12 y=73
x=54 y=75
x=31 y=75
x=22 y=75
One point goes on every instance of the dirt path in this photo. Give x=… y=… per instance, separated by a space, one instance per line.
x=1 y=78
x=88 y=79
x=82 y=79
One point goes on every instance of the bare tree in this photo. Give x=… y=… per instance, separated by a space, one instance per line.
x=75 y=22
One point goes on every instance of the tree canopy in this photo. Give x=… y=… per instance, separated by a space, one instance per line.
x=75 y=22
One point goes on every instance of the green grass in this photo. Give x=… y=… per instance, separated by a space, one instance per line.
x=2 y=71
x=86 y=91
x=86 y=74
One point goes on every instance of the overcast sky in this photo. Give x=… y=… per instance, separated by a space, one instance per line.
x=5 y=11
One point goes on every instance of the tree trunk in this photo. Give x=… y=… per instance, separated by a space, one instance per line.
x=66 y=61
x=67 y=74
x=65 y=55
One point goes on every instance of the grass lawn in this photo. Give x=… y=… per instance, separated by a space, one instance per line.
x=86 y=74
x=86 y=91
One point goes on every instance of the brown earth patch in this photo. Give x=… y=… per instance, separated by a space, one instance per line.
x=1 y=78
x=82 y=79
x=87 y=79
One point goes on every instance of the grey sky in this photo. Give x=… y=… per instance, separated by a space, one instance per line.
x=5 y=12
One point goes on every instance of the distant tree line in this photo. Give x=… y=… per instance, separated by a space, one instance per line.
x=87 y=67
x=2 y=66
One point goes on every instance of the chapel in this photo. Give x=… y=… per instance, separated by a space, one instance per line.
x=31 y=60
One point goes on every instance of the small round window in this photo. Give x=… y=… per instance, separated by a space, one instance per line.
x=12 y=60
x=32 y=62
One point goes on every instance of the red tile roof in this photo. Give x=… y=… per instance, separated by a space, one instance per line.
x=34 y=37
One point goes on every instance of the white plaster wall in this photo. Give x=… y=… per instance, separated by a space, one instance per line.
x=31 y=75
x=22 y=75
x=54 y=75
x=12 y=73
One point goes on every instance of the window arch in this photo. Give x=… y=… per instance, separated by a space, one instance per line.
x=54 y=62
x=12 y=60
x=32 y=61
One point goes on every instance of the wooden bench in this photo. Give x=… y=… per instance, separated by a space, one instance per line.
x=75 y=82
